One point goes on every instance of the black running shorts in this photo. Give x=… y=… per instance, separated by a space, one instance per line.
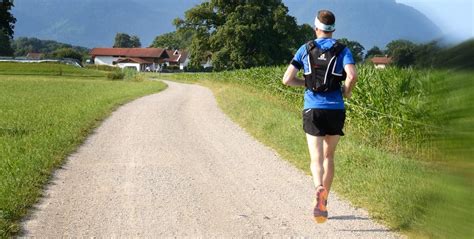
x=322 y=122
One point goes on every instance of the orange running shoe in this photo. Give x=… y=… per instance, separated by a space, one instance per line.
x=320 y=212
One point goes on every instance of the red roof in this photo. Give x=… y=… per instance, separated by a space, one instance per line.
x=381 y=60
x=130 y=52
x=134 y=59
x=176 y=56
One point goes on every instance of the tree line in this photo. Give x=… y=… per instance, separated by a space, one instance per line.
x=235 y=34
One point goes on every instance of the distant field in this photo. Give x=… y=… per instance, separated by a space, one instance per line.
x=46 y=69
x=407 y=156
x=42 y=120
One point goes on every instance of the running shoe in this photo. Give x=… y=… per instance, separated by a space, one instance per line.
x=320 y=212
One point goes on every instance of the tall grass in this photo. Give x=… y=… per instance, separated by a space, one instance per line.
x=390 y=109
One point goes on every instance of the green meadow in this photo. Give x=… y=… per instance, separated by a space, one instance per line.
x=45 y=116
x=407 y=153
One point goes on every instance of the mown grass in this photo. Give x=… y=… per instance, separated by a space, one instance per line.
x=401 y=172
x=42 y=120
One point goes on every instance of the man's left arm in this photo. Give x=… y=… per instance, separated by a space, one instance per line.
x=350 y=81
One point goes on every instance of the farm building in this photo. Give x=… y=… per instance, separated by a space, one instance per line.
x=177 y=58
x=380 y=62
x=139 y=58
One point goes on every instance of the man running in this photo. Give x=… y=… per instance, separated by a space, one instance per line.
x=326 y=63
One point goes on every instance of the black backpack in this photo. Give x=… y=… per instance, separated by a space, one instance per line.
x=322 y=77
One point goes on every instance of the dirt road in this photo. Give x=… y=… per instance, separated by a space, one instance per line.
x=172 y=164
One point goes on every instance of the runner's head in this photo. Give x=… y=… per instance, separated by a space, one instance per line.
x=325 y=23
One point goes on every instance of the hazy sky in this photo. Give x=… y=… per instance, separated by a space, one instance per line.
x=454 y=17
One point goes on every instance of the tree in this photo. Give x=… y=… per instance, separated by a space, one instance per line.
x=374 y=51
x=402 y=52
x=67 y=53
x=173 y=40
x=24 y=45
x=7 y=26
x=305 y=34
x=5 y=47
x=135 y=42
x=123 y=40
x=240 y=34
x=426 y=54
x=356 y=48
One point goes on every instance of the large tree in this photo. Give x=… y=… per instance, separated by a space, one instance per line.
x=402 y=52
x=123 y=40
x=426 y=54
x=356 y=48
x=135 y=42
x=304 y=34
x=374 y=51
x=7 y=26
x=173 y=40
x=241 y=33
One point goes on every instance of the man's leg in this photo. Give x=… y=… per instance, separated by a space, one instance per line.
x=329 y=149
x=315 y=146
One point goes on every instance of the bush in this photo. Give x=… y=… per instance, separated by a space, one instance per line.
x=101 y=67
x=67 y=53
x=173 y=68
x=115 y=75
x=198 y=69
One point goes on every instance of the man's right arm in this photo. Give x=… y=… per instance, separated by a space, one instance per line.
x=290 y=78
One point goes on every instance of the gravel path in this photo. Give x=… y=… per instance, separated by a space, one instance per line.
x=172 y=164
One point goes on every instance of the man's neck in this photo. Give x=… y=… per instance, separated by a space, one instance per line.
x=324 y=35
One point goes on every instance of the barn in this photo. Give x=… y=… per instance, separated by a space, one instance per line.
x=141 y=59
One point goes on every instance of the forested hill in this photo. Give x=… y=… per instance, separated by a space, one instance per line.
x=370 y=22
x=94 y=23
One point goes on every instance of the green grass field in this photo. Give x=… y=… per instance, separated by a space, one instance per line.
x=400 y=173
x=42 y=120
x=47 y=69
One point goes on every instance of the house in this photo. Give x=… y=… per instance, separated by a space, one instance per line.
x=380 y=62
x=141 y=59
x=34 y=56
x=207 y=62
x=177 y=58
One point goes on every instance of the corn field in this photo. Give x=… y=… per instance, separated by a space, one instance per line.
x=391 y=109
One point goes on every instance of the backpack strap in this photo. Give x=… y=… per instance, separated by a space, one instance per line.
x=338 y=48
x=310 y=46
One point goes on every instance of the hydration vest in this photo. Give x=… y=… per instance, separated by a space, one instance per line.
x=322 y=76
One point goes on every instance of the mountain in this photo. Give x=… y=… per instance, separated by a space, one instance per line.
x=94 y=23
x=370 y=22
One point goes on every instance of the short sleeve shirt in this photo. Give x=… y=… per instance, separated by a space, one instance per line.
x=323 y=100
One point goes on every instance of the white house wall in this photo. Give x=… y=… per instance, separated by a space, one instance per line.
x=184 y=64
x=208 y=63
x=105 y=60
x=123 y=65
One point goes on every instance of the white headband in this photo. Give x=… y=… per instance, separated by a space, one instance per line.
x=321 y=26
